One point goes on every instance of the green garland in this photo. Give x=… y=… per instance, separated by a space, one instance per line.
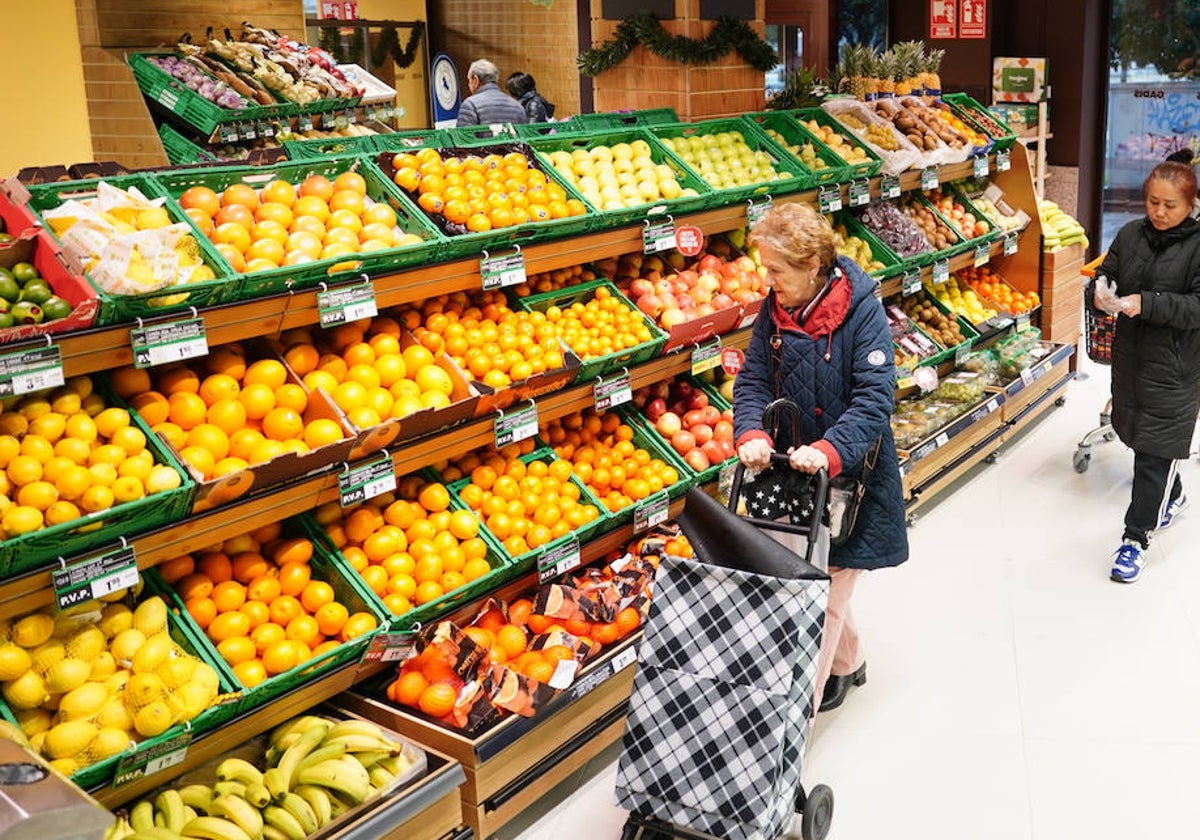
x=643 y=28
x=389 y=43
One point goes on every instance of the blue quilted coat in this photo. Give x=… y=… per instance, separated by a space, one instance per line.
x=843 y=380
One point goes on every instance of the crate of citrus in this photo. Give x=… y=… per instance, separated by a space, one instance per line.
x=410 y=552
x=85 y=684
x=488 y=196
x=294 y=225
x=240 y=421
x=142 y=254
x=80 y=471
x=277 y=612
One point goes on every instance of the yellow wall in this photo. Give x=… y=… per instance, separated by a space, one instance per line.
x=44 y=107
x=411 y=82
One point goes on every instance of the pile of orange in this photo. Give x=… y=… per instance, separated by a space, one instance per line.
x=994 y=288
x=225 y=412
x=257 y=600
x=66 y=453
x=288 y=224
x=409 y=547
x=524 y=505
x=479 y=193
x=370 y=370
x=488 y=341
x=603 y=325
x=551 y=281
x=604 y=457
x=427 y=682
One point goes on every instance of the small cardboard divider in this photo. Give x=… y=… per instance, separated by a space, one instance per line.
x=329 y=269
x=117 y=309
x=492 y=400
x=462 y=243
x=93 y=531
x=782 y=160
x=601 y=365
x=324 y=568
x=684 y=176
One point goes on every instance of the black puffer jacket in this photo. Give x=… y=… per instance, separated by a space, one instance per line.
x=1156 y=356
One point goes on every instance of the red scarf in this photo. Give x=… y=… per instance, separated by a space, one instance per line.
x=832 y=306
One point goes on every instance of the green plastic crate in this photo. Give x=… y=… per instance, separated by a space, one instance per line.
x=970 y=111
x=410 y=139
x=862 y=169
x=715 y=399
x=781 y=159
x=602 y=365
x=969 y=333
x=158 y=85
x=960 y=197
x=328 y=147
x=119 y=309
x=964 y=244
x=324 y=568
x=307 y=275
x=684 y=176
x=472 y=244
x=540 y=130
x=181 y=150
x=628 y=119
x=790 y=133
x=892 y=264
x=94 y=531
x=479 y=135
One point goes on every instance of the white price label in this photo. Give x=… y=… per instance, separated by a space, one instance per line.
x=164 y=761
x=516 y=426
x=929 y=178
x=26 y=371
x=829 y=199
x=499 y=272
x=610 y=392
x=659 y=236
x=1003 y=161
x=981 y=166
x=624 y=659
x=161 y=344
x=346 y=304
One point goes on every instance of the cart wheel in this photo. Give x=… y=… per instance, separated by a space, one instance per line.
x=1060 y=402
x=910 y=520
x=1081 y=460
x=818 y=813
x=1109 y=437
x=990 y=458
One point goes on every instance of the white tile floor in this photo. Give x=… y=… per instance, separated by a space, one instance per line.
x=1015 y=692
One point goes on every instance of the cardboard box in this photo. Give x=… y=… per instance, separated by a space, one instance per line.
x=1019 y=80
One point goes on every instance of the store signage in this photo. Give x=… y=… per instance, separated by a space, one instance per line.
x=611 y=392
x=95 y=577
x=26 y=371
x=910 y=283
x=389 y=647
x=943 y=21
x=689 y=239
x=929 y=178
x=829 y=198
x=860 y=192
x=651 y=511
x=338 y=10
x=305 y=122
x=176 y=341
x=941 y=272
x=152 y=759
x=1003 y=161
x=732 y=360
x=659 y=236
x=972 y=19
x=706 y=357
x=1010 y=244
x=983 y=254
x=516 y=426
x=559 y=560
x=754 y=212
x=981 y=166
x=499 y=272
x=889 y=186
x=346 y=304
x=366 y=481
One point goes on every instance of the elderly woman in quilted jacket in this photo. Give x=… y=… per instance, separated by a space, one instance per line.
x=836 y=364
x=1155 y=263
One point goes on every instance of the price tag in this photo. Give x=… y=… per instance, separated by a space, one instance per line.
x=340 y=120
x=94 y=577
x=26 y=371
x=829 y=198
x=1003 y=161
x=859 y=192
x=689 y=240
x=910 y=284
x=1010 y=244
x=264 y=129
x=929 y=178
x=651 y=511
x=610 y=392
x=352 y=115
x=516 y=426
x=389 y=647
x=175 y=341
x=227 y=133
x=981 y=166
x=754 y=212
x=941 y=272
x=152 y=759
x=498 y=272
x=305 y=122
x=346 y=303
x=1023 y=322
x=889 y=186
x=624 y=659
x=961 y=353
x=559 y=560
x=983 y=254
x=247 y=131
x=706 y=357
x=659 y=236
x=732 y=360
x=366 y=481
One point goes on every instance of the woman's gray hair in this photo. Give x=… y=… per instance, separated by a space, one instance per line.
x=484 y=71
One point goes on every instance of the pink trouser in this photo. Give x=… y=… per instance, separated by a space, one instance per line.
x=841 y=648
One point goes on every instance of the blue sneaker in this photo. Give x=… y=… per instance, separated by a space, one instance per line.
x=1128 y=562
x=1173 y=510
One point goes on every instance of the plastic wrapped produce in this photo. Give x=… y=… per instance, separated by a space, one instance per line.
x=897 y=153
x=895 y=228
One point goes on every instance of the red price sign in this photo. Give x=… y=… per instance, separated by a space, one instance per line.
x=689 y=239
x=732 y=359
x=972 y=19
x=943 y=19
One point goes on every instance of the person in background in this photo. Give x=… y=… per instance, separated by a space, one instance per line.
x=487 y=104
x=524 y=89
x=1154 y=263
x=836 y=363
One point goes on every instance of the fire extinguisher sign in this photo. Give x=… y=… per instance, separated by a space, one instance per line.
x=972 y=19
x=943 y=19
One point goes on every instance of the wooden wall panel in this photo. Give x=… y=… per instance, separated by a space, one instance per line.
x=135 y=23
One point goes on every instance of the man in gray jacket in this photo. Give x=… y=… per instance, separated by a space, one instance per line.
x=488 y=104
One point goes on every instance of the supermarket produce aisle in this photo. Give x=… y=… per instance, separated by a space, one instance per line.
x=1015 y=693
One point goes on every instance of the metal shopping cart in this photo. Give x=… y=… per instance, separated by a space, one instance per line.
x=723 y=696
x=1099 y=329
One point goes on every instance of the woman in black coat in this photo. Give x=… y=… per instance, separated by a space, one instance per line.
x=1155 y=264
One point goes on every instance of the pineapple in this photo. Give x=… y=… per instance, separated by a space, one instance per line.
x=909 y=57
x=886 y=72
x=932 y=81
x=856 y=60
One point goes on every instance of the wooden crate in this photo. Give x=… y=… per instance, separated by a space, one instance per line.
x=1036 y=381
x=1068 y=258
x=948 y=445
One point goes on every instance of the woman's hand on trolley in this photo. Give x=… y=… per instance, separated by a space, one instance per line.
x=755 y=454
x=808 y=459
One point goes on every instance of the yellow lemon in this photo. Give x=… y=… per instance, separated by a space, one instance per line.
x=153 y=719
x=33 y=630
x=69 y=739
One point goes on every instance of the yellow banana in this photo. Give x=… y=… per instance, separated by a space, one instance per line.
x=119 y=830
x=141 y=817
x=365 y=743
x=397 y=764
x=306 y=743
x=294 y=728
x=318 y=800
x=344 y=776
x=214 y=828
x=189 y=814
x=284 y=821
x=153 y=833
x=270 y=832
x=197 y=796
x=170 y=804
x=238 y=770
x=370 y=758
x=275 y=782
x=355 y=726
x=299 y=808
x=229 y=789
x=239 y=811
x=258 y=795
x=323 y=753
x=381 y=777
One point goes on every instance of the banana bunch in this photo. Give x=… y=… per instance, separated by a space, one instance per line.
x=1058 y=228
x=317 y=769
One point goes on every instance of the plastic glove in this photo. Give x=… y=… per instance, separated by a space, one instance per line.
x=1105 y=296
x=755 y=454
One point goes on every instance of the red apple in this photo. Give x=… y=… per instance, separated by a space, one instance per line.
x=640 y=287
x=655 y=409
x=699 y=399
x=723 y=430
x=694 y=417
x=702 y=432
x=672 y=317
x=683 y=441
x=650 y=304
x=697 y=460
x=714 y=451
x=712 y=414
x=668 y=424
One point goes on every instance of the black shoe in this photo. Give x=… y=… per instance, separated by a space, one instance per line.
x=836 y=688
